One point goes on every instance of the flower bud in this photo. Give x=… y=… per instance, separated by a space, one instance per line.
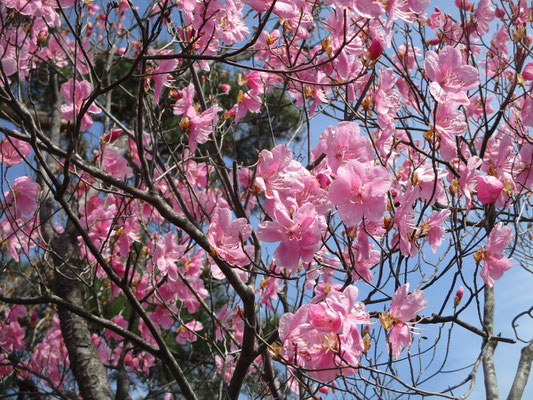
x=225 y=87
x=376 y=48
x=463 y=4
x=499 y=13
x=458 y=297
x=527 y=73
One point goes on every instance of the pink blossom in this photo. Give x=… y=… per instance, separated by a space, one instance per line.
x=488 y=188
x=200 y=126
x=418 y=6
x=434 y=229
x=285 y=9
x=526 y=113
x=485 y=14
x=404 y=307
x=120 y=321
x=323 y=337
x=364 y=257
x=450 y=76
x=344 y=142
x=17 y=239
x=404 y=220
x=111 y=137
x=50 y=356
x=495 y=262
x=359 y=191
x=527 y=73
x=468 y=179
x=232 y=28
x=163 y=315
x=399 y=337
x=160 y=74
x=12 y=336
x=13 y=151
x=23 y=196
x=77 y=93
x=369 y=8
x=387 y=98
x=187 y=332
x=246 y=102
x=225 y=367
x=525 y=172
x=269 y=290
x=278 y=172
x=297 y=231
x=185 y=104
x=114 y=164
x=227 y=237
x=166 y=252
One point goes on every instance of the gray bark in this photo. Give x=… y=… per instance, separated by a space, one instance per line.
x=489 y=370
x=522 y=373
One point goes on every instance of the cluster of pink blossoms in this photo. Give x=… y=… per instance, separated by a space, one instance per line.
x=323 y=337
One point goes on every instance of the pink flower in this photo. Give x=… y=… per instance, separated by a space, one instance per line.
x=160 y=74
x=527 y=111
x=488 y=188
x=527 y=73
x=433 y=228
x=359 y=191
x=468 y=179
x=404 y=307
x=13 y=151
x=485 y=14
x=404 y=221
x=115 y=165
x=225 y=87
x=185 y=104
x=450 y=76
x=387 y=98
x=120 y=321
x=495 y=262
x=232 y=28
x=364 y=257
x=418 y=6
x=323 y=337
x=77 y=93
x=298 y=233
x=376 y=48
x=276 y=171
x=369 y=8
x=246 y=102
x=187 y=332
x=227 y=237
x=344 y=142
x=166 y=253
x=200 y=126
x=23 y=196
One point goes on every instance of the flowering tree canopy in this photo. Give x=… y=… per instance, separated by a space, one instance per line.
x=272 y=199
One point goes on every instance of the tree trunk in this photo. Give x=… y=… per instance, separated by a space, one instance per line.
x=85 y=363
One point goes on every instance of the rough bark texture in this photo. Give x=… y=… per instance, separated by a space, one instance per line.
x=85 y=364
